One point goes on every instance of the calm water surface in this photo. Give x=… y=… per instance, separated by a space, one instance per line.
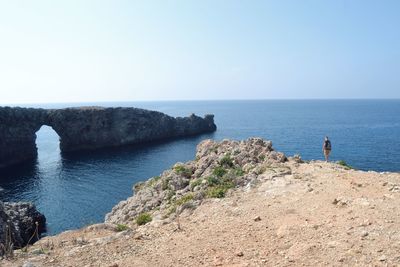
x=76 y=190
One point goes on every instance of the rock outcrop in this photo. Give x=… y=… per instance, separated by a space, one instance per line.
x=18 y=224
x=88 y=128
x=219 y=166
x=17 y=134
x=258 y=208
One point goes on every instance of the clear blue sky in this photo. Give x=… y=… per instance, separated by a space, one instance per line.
x=71 y=51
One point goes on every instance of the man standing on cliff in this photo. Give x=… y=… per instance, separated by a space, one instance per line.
x=326 y=148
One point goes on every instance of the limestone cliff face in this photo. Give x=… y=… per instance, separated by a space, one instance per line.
x=18 y=127
x=88 y=128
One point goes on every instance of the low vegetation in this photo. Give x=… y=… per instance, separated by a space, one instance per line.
x=212 y=181
x=182 y=170
x=194 y=183
x=143 y=218
x=153 y=181
x=226 y=161
x=219 y=171
x=186 y=198
x=219 y=191
x=7 y=248
x=179 y=202
x=165 y=184
x=344 y=164
x=239 y=171
x=121 y=227
x=219 y=185
x=186 y=185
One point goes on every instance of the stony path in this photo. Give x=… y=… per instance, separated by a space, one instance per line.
x=315 y=214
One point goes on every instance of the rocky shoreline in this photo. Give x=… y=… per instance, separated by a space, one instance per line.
x=89 y=128
x=240 y=203
x=20 y=224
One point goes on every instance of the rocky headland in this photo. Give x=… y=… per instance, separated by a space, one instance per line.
x=88 y=128
x=240 y=203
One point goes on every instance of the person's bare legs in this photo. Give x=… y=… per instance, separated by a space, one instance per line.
x=326 y=154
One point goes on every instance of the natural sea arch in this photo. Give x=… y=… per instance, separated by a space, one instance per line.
x=90 y=128
x=48 y=144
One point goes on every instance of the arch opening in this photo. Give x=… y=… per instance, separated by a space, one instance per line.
x=48 y=145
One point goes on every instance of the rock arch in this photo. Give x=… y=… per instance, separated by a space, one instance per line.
x=88 y=128
x=47 y=141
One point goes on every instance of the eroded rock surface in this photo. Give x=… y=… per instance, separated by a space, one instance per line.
x=18 y=127
x=18 y=224
x=88 y=128
x=219 y=167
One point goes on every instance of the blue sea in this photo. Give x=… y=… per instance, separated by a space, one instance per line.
x=77 y=190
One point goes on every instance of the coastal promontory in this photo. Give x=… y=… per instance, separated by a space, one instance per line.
x=89 y=128
x=240 y=203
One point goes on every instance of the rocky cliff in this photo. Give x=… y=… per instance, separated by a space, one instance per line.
x=218 y=168
x=19 y=223
x=88 y=128
x=17 y=133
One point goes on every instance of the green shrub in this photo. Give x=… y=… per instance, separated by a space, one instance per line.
x=344 y=164
x=211 y=181
x=216 y=192
x=184 y=199
x=121 y=227
x=261 y=157
x=226 y=161
x=219 y=191
x=219 y=171
x=214 y=181
x=143 y=218
x=239 y=172
x=182 y=170
x=194 y=183
x=227 y=181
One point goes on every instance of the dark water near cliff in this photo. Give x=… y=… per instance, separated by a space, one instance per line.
x=77 y=190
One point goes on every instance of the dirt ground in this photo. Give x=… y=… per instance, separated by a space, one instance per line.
x=315 y=214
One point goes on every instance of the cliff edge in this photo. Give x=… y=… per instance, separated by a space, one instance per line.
x=240 y=203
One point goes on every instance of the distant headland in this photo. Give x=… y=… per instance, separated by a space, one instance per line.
x=89 y=128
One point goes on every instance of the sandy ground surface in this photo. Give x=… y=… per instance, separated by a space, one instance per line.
x=315 y=214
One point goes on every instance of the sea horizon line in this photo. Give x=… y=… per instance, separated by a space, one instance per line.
x=195 y=100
